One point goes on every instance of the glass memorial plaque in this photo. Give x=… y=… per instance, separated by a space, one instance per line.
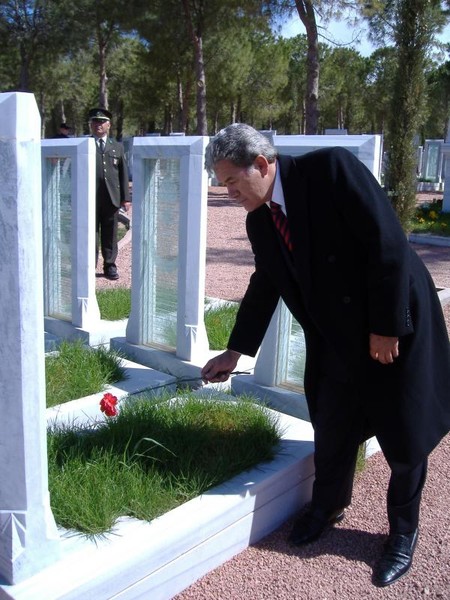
x=57 y=228
x=296 y=356
x=291 y=351
x=160 y=242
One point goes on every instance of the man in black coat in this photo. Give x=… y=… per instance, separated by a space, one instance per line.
x=112 y=188
x=377 y=349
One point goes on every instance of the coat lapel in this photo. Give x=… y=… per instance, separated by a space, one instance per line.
x=295 y=194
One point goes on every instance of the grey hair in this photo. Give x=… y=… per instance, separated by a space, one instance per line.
x=240 y=144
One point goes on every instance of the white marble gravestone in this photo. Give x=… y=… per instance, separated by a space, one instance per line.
x=433 y=160
x=68 y=207
x=28 y=535
x=169 y=251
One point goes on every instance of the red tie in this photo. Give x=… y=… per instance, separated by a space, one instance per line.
x=281 y=223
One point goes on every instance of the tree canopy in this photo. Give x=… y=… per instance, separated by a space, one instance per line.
x=147 y=65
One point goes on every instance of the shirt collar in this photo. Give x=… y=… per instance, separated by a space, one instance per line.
x=277 y=193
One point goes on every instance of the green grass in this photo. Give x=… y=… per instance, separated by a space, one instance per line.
x=121 y=231
x=430 y=219
x=361 y=458
x=78 y=370
x=114 y=304
x=219 y=321
x=152 y=457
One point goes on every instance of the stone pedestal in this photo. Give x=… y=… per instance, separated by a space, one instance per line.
x=28 y=535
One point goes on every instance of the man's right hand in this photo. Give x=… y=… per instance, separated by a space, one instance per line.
x=218 y=369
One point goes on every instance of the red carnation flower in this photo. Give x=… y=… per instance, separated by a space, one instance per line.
x=108 y=405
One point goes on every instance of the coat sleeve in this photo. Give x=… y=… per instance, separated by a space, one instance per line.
x=254 y=314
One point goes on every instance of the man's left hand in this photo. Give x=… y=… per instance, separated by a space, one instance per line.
x=383 y=348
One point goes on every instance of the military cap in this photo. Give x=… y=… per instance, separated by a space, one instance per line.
x=100 y=113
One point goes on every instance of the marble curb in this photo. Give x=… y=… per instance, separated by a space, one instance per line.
x=157 y=560
x=430 y=240
x=444 y=296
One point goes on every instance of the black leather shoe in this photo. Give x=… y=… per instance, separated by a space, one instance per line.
x=396 y=559
x=110 y=272
x=312 y=524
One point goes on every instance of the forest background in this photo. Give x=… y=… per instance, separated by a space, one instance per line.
x=139 y=60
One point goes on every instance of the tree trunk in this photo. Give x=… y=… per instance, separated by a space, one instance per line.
x=103 y=78
x=340 y=116
x=238 y=113
x=185 y=107
x=168 y=119
x=195 y=33
x=180 y=119
x=63 y=111
x=43 y=112
x=119 y=120
x=24 y=77
x=303 y=117
x=232 y=114
x=307 y=16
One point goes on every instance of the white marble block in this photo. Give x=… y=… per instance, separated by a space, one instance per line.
x=28 y=535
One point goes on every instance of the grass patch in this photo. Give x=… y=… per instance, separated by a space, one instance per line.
x=121 y=231
x=361 y=460
x=78 y=370
x=430 y=219
x=114 y=304
x=152 y=457
x=219 y=321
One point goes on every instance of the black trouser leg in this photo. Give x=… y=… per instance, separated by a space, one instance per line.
x=108 y=236
x=404 y=496
x=338 y=426
x=106 y=227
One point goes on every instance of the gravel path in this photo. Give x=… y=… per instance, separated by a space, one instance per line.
x=339 y=565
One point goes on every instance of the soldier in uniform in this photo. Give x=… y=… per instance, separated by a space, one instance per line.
x=112 y=188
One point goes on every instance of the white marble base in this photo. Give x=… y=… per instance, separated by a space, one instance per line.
x=101 y=334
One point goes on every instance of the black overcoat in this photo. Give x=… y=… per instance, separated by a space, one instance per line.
x=352 y=273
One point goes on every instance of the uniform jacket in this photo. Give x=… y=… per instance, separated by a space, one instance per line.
x=112 y=172
x=352 y=272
